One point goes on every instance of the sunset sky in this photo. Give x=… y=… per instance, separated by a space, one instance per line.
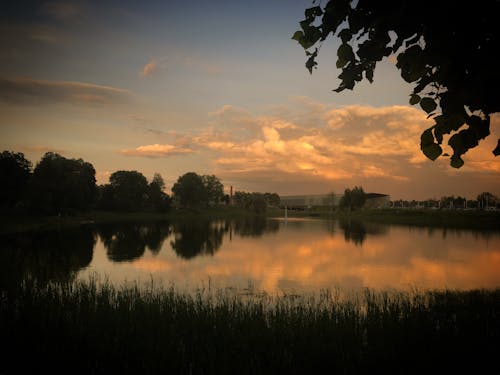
x=214 y=87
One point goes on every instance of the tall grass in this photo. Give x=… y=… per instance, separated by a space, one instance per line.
x=95 y=328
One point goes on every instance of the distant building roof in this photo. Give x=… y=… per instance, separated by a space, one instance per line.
x=375 y=195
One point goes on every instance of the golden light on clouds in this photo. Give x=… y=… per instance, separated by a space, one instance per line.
x=311 y=142
x=156 y=151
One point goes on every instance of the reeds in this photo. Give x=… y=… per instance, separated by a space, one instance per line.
x=94 y=327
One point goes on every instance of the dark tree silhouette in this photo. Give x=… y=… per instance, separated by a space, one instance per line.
x=446 y=50
x=214 y=188
x=158 y=200
x=190 y=190
x=353 y=199
x=15 y=171
x=128 y=190
x=63 y=185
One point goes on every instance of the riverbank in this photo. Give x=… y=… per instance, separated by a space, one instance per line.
x=91 y=328
x=460 y=219
x=14 y=223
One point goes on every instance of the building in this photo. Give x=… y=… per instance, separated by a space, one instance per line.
x=301 y=202
x=376 y=200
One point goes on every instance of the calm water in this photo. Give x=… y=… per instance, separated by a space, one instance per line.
x=297 y=255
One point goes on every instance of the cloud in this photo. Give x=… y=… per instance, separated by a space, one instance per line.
x=352 y=142
x=310 y=147
x=156 y=151
x=20 y=90
x=150 y=68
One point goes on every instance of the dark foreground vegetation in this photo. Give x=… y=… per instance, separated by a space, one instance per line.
x=86 y=327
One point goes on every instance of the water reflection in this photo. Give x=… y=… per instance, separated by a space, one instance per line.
x=126 y=242
x=193 y=238
x=45 y=256
x=356 y=231
x=255 y=226
x=297 y=254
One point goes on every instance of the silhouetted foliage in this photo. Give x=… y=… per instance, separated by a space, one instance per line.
x=256 y=202
x=157 y=200
x=445 y=52
x=190 y=191
x=487 y=199
x=15 y=171
x=353 y=199
x=214 y=188
x=129 y=190
x=63 y=185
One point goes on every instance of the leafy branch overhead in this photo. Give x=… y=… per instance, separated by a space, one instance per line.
x=446 y=52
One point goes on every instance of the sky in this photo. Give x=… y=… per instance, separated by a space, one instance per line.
x=213 y=87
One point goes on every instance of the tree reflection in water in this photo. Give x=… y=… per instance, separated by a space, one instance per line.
x=254 y=226
x=45 y=256
x=126 y=242
x=200 y=237
x=356 y=231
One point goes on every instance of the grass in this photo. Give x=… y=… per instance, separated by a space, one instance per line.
x=96 y=328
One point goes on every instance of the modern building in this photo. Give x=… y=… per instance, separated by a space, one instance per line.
x=301 y=202
x=376 y=200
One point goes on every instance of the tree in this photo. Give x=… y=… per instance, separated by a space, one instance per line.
x=446 y=53
x=190 y=190
x=15 y=171
x=62 y=185
x=214 y=188
x=129 y=190
x=272 y=199
x=486 y=200
x=353 y=199
x=158 y=200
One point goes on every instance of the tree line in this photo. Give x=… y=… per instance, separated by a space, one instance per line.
x=58 y=185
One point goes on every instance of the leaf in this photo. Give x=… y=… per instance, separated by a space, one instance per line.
x=311 y=62
x=426 y=138
x=428 y=104
x=345 y=35
x=345 y=54
x=432 y=151
x=298 y=35
x=496 y=151
x=456 y=161
x=313 y=12
x=414 y=99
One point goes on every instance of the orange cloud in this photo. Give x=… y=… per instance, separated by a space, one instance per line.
x=150 y=68
x=156 y=151
x=328 y=150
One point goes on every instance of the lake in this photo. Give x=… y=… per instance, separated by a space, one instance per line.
x=273 y=255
